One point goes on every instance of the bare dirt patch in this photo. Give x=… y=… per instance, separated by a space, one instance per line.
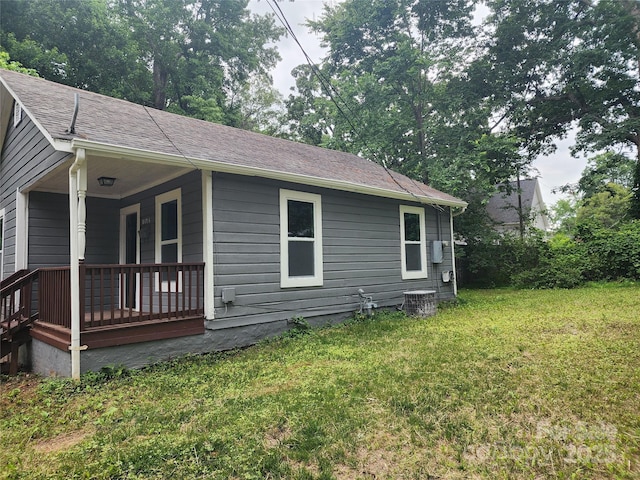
x=277 y=436
x=62 y=442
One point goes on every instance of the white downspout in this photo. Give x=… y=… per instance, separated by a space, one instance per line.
x=453 y=253
x=77 y=230
x=207 y=245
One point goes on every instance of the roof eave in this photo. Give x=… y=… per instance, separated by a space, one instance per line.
x=58 y=144
x=225 y=167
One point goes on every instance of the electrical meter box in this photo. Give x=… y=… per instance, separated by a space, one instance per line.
x=437 y=255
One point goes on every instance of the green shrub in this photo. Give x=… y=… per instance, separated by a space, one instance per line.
x=494 y=262
x=595 y=254
x=614 y=253
x=563 y=266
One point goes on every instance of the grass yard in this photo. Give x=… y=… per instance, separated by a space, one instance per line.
x=508 y=384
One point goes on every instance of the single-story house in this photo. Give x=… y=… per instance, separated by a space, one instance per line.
x=505 y=207
x=131 y=235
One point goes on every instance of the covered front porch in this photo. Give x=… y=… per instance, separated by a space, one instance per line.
x=110 y=264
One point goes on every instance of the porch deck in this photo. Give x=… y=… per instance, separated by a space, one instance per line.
x=120 y=304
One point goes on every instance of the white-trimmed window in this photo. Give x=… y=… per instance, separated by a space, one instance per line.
x=413 y=239
x=169 y=232
x=300 y=239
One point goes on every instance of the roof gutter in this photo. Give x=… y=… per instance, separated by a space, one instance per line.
x=461 y=211
x=226 y=167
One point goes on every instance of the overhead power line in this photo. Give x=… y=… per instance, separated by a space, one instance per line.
x=331 y=91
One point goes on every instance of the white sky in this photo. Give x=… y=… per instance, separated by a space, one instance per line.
x=555 y=170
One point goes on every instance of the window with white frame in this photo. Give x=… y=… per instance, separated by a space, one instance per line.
x=169 y=232
x=300 y=239
x=413 y=241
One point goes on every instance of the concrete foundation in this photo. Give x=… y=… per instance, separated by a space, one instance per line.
x=50 y=361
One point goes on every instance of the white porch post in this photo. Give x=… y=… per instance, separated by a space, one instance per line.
x=207 y=243
x=77 y=241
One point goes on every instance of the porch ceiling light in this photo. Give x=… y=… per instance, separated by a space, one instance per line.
x=106 y=181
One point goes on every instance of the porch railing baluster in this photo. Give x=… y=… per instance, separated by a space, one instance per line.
x=163 y=292
x=101 y=296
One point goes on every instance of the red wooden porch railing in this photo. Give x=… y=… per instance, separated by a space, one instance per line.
x=16 y=314
x=16 y=299
x=112 y=295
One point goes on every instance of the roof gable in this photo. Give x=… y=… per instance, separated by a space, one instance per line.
x=108 y=122
x=502 y=207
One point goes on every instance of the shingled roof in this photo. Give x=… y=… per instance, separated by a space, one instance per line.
x=502 y=207
x=106 y=121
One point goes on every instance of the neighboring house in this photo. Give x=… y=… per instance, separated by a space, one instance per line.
x=131 y=235
x=505 y=206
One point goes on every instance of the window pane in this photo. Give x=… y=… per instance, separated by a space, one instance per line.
x=301 y=261
x=1 y=231
x=413 y=257
x=300 y=219
x=169 y=220
x=170 y=253
x=411 y=227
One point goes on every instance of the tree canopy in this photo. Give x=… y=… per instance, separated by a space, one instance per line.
x=462 y=94
x=397 y=88
x=428 y=89
x=569 y=64
x=187 y=56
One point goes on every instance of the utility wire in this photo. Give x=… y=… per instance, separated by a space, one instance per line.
x=329 y=88
x=324 y=81
x=146 y=109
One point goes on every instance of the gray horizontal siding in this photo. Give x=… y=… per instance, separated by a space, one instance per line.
x=49 y=226
x=191 y=188
x=26 y=156
x=49 y=230
x=361 y=249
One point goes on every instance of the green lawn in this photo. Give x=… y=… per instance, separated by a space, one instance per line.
x=509 y=384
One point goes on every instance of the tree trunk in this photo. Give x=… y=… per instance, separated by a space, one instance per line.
x=520 y=215
x=635 y=199
x=160 y=78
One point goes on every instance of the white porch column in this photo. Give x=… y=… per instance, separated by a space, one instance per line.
x=82 y=210
x=207 y=244
x=77 y=230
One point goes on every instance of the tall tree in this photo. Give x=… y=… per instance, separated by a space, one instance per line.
x=568 y=63
x=76 y=42
x=258 y=106
x=403 y=96
x=200 y=49
x=187 y=56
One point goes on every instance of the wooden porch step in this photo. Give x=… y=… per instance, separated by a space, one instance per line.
x=8 y=328
x=9 y=348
